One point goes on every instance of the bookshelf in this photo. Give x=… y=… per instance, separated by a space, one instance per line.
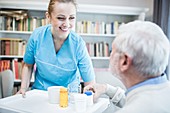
x=86 y=13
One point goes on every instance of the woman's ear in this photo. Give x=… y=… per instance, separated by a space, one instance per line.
x=125 y=62
x=47 y=15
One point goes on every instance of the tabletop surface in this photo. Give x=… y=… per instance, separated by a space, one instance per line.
x=36 y=101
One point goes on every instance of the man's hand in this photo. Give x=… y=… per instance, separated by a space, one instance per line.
x=98 y=90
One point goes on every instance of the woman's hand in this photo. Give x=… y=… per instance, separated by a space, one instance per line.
x=22 y=91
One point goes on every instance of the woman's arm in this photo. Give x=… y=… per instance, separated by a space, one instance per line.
x=85 y=64
x=88 y=83
x=26 y=76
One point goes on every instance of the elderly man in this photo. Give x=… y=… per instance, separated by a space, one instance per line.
x=140 y=54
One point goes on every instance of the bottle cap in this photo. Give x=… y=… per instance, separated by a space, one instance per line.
x=88 y=93
x=63 y=89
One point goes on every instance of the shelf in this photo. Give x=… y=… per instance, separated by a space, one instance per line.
x=16 y=32
x=10 y=56
x=93 y=58
x=19 y=81
x=100 y=58
x=97 y=35
x=82 y=34
x=82 y=8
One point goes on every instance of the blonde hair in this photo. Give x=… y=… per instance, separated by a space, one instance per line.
x=52 y=2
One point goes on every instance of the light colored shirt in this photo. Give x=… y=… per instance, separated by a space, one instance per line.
x=156 y=80
x=149 y=96
x=61 y=68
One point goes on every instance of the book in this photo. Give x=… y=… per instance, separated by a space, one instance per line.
x=12 y=46
x=2 y=22
x=15 y=68
x=7 y=47
x=4 y=65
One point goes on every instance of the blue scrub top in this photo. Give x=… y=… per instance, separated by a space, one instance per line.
x=61 y=68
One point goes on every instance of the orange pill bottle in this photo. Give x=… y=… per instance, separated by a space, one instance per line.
x=63 y=97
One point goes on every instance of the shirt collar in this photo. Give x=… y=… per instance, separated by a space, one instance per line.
x=156 y=80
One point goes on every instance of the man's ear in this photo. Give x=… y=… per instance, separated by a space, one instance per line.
x=125 y=62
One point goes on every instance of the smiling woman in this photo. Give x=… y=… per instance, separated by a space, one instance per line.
x=59 y=53
x=62 y=20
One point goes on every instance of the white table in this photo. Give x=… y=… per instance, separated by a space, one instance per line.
x=36 y=101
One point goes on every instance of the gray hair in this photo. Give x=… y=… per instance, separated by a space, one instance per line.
x=146 y=44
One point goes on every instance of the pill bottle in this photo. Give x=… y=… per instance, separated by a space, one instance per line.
x=80 y=102
x=89 y=98
x=63 y=97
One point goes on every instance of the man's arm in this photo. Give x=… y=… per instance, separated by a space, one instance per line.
x=116 y=94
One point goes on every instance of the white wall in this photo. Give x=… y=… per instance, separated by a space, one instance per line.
x=130 y=3
x=138 y=3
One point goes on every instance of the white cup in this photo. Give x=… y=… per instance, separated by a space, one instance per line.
x=54 y=94
x=80 y=102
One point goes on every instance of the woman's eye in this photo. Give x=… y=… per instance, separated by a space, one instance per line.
x=71 y=18
x=60 y=18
